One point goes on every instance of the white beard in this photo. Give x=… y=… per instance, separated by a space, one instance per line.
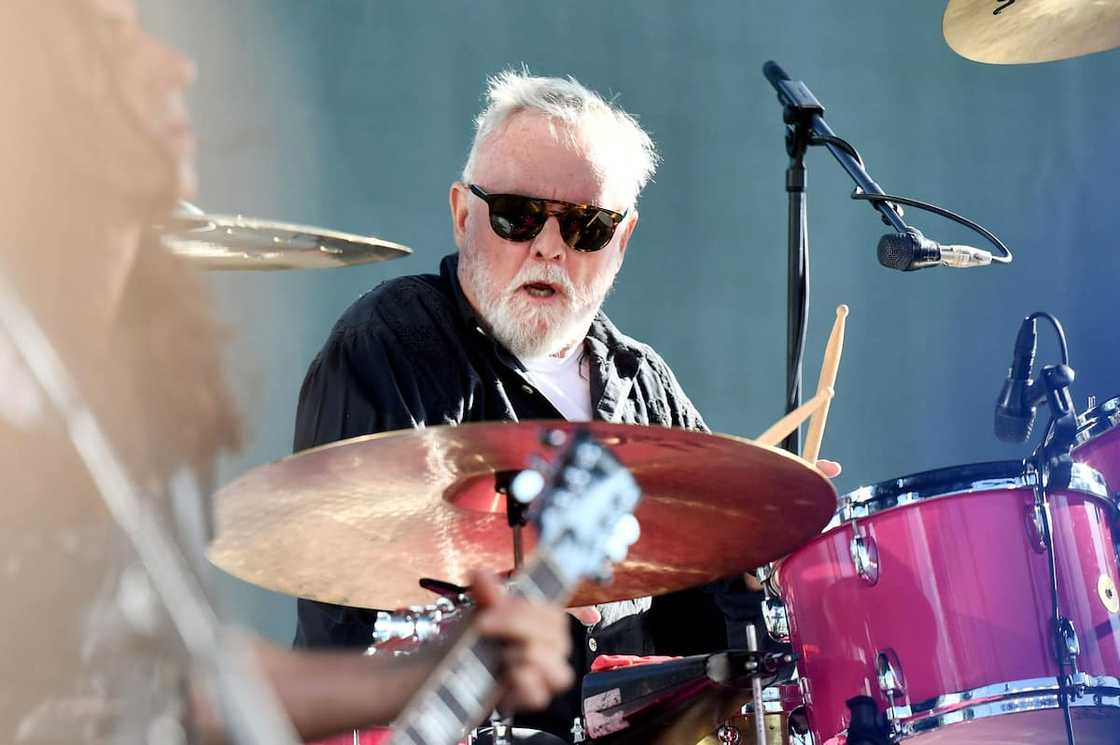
x=527 y=329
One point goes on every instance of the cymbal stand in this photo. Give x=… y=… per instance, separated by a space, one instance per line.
x=519 y=494
x=516 y=513
x=756 y=689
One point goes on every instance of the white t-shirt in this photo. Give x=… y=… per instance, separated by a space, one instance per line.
x=564 y=382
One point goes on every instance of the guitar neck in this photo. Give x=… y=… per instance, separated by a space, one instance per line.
x=462 y=690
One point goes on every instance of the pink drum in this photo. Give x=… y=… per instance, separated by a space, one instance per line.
x=1098 y=441
x=931 y=595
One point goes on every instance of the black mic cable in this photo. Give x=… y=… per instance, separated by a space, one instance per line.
x=910 y=250
x=906 y=249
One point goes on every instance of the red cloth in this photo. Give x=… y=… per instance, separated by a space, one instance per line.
x=615 y=661
x=376 y=736
x=373 y=736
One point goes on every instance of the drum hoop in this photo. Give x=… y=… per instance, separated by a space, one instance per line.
x=954 y=481
x=1107 y=413
x=1014 y=697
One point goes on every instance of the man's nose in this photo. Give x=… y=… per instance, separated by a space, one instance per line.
x=549 y=244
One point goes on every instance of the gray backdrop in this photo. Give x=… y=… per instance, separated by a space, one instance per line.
x=355 y=115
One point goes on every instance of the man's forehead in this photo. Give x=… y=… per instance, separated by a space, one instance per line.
x=535 y=156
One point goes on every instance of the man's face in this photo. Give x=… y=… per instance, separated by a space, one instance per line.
x=148 y=140
x=538 y=296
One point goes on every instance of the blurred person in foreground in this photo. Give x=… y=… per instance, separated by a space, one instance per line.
x=95 y=147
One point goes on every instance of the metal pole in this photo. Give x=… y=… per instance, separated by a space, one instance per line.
x=756 y=690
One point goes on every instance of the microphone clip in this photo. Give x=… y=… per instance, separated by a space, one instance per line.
x=1053 y=453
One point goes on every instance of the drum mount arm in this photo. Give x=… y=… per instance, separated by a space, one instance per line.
x=1053 y=454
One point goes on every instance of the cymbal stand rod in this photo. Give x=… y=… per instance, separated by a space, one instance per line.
x=756 y=689
x=516 y=514
x=500 y=726
x=518 y=550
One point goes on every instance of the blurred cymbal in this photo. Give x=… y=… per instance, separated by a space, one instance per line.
x=1021 y=31
x=234 y=242
x=359 y=522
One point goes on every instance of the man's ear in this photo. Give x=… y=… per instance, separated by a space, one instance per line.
x=459 y=201
x=627 y=230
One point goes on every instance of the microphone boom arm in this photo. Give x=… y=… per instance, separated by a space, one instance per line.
x=801 y=108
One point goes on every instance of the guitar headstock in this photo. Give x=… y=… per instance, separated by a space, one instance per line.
x=584 y=508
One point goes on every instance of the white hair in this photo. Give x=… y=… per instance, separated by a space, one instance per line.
x=613 y=139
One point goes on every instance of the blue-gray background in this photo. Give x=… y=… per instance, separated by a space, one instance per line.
x=356 y=114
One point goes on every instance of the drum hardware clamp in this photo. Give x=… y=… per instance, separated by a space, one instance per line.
x=864 y=552
x=888 y=672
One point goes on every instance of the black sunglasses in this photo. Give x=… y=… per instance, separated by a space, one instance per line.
x=584 y=227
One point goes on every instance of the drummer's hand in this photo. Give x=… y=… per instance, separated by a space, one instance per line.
x=536 y=640
x=829 y=468
x=588 y=615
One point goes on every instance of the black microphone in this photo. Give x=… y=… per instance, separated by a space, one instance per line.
x=1014 y=414
x=911 y=250
x=774 y=73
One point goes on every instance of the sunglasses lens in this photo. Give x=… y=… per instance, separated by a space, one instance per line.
x=587 y=229
x=517 y=218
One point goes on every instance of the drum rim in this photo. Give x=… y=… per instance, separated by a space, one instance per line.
x=949 y=481
x=1098 y=420
x=998 y=699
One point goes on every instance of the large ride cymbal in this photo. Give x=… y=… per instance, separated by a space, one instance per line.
x=361 y=521
x=1022 y=31
x=235 y=242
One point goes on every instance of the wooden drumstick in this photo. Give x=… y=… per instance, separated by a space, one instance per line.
x=829 y=367
x=791 y=421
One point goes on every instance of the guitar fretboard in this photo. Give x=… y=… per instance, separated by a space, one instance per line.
x=463 y=690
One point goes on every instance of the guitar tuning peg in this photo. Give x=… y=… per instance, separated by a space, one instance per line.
x=587 y=454
x=628 y=530
x=615 y=551
x=576 y=477
x=625 y=533
x=526 y=485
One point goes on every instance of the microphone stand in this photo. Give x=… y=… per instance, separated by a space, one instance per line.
x=1052 y=462
x=803 y=114
x=798 y=134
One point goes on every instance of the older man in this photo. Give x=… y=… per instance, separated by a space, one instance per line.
x=511 y=328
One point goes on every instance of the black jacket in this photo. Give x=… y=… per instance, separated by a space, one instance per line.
x=413 y=352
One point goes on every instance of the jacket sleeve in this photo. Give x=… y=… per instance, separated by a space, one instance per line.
x=357 y=385
x=364 y=380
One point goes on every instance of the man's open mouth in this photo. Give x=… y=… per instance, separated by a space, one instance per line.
x=539 y=289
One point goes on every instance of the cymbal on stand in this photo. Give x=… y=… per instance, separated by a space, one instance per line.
x=361 y=521
x=1022 y=31
x=235 y=242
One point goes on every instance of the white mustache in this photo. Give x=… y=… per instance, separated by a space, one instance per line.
x=548 y=274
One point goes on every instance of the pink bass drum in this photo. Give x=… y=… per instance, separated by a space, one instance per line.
x=931 y=595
